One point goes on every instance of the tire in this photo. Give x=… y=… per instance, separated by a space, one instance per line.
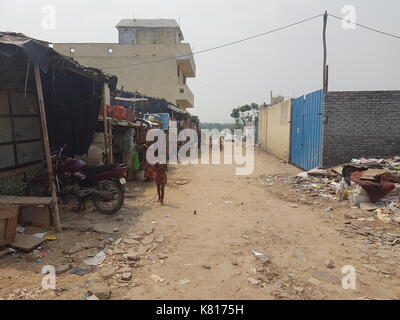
x=116 y=189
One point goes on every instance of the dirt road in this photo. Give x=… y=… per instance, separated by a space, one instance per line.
x=206 y=233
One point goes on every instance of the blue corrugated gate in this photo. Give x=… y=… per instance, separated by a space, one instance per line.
x=307 y=114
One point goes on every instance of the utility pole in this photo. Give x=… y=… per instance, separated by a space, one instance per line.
x=325 y=67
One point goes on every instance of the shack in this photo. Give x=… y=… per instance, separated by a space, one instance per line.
x=46 y=100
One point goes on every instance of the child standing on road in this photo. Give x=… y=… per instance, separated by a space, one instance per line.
x=161 y=181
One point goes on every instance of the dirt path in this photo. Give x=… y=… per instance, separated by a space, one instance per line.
x=208 y=229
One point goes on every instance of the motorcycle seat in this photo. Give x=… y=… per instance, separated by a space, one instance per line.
x=93 y=170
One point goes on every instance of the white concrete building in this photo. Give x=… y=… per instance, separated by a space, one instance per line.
x=150 y=58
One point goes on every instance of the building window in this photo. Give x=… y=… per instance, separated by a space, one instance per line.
x=178 y=72
x=184 y=80
x=20 y=134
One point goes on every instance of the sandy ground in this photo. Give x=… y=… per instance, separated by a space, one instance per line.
x=206 y=233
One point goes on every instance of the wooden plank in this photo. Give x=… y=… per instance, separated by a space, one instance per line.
x=47 y=148
x=20 y=170
x=8 y=212
x=8 y=224
x=37 y=216
x=26 y=242
x=13 y=200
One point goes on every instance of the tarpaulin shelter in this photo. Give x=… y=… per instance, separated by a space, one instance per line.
x=72 y=92
x=145 y=104
x=46 y=100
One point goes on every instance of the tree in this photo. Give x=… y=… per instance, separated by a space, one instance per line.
x=244 y=114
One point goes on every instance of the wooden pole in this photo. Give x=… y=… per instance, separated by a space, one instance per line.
x=110 y=145
x=327 y=79
x=56 y=213
x=325 y=74
x=104 y=106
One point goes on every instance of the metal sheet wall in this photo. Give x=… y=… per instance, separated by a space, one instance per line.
x=307 y=123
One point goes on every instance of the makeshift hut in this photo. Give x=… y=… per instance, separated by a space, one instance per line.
x=46 y=100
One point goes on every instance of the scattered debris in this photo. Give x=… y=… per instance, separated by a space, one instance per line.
x=135 y=236
x=157 y=278
x=329 y=264
x=96 y=260
x=107 y=273
x=183 y=282
x=79 y=271
x=62 y=268
x=100 y=289
x=147 y=241
x=162 y=255
x=40 y=235
x=26 y=242
x=181 y=182
x=148 y=230
x=20 y=229
x=254 y=281
x=126 y=276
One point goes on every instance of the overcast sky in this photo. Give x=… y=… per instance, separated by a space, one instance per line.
x=288 y=62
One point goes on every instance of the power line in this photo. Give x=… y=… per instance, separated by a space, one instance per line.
x=221 y=46
x=366 y=27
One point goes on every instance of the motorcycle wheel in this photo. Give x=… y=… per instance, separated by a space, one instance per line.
x=110 y=198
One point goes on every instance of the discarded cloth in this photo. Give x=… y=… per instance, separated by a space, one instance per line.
x=376 y=190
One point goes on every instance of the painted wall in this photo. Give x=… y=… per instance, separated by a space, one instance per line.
x=360 y=124
x=275 y=129
x=130 y=64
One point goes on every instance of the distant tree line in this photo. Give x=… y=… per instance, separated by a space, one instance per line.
x=218 y=126
x=244 y=114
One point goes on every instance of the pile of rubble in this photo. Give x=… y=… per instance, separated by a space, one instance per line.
x=370 y=184
x=315 y=183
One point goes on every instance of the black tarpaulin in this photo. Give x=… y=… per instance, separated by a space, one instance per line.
x=72 y=92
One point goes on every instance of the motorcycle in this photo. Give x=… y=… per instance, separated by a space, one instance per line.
x=103 y=185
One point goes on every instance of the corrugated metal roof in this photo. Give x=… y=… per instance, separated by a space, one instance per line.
x=149 y=23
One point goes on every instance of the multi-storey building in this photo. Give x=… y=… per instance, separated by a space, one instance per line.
x=150 y=58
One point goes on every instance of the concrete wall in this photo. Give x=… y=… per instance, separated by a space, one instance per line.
x=159 y=80
x=275 y=129
x=147 y=36
x=360 y=124
x=130 y=64
x=262 y=128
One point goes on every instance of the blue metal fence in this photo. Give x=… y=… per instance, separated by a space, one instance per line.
x=307 y=119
